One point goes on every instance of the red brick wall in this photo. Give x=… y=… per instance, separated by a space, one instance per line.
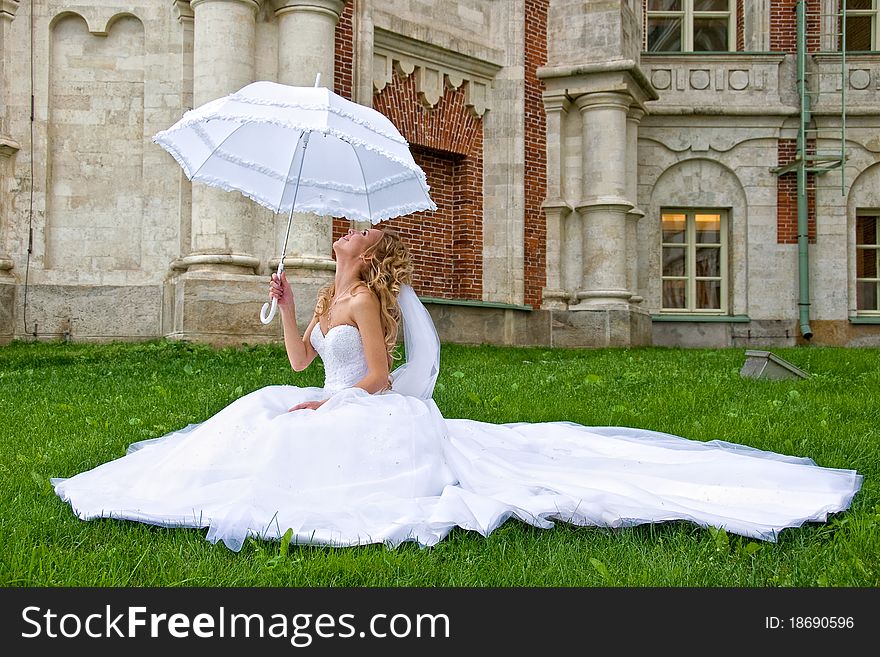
x=535 y=229
x=783 y=25
x=428 y=234
x=447 y=142
x=343 y=70
x=740 y=26
x=786 y=198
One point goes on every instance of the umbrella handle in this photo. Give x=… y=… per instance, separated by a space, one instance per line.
x=271 y=311
x=268 y=312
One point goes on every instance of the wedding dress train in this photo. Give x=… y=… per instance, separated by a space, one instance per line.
x=389 y=468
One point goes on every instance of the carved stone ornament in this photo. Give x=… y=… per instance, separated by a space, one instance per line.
x=436 y=69
x=8 y=8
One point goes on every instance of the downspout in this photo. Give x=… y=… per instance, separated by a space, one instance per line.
x=802 y=207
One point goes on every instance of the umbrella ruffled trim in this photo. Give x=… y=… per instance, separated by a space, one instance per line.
x=375 y=186
x=324 y=209
x=161 y=139
x=321 y=107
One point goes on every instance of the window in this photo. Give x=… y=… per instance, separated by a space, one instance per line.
x=861 y=25
x=867 y=259
x=690 y=26
x=694 y=269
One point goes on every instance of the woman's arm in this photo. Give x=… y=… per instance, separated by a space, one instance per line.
x=300 y=352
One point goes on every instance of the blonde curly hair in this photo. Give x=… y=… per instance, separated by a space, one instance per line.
x=388 y=268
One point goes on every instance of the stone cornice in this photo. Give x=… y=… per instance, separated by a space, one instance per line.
x=435 y=69
x=8 y=9
x=254 y=4
x=183 y=10
x=600 y=99
x=8 y=146
x=556 y=204
x=228 y=259
x=635 y=114
x=610 y=202
x=555 y=101
x=333 y=7
x=703 y=58
x=628 y=66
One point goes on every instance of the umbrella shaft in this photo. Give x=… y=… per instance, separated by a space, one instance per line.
x=295 y=191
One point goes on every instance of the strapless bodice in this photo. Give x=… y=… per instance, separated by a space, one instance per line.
x=342 y=352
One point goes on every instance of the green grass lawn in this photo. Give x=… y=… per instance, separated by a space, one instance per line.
x=65 y=408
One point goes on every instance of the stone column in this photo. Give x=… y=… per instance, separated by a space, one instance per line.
x=605 y=205
x=633 y=118
x=213 y=294
x=555 y=207
x=307 y=40
x=8 y=148
x=186 y=18
x=223 y=62
x=593 y=58
x=307 y=47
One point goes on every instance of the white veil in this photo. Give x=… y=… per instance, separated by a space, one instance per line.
x=417 y=376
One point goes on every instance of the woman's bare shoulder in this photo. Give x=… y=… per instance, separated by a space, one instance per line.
x=362 y=296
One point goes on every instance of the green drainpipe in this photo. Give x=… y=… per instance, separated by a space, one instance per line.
x=803 y=240
x=803 y=257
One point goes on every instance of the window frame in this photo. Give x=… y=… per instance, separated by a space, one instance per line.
x=867 y=212
x=874 y=15
x=690 y=244
x=687 y=14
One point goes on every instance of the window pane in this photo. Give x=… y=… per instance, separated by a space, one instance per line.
x=710 y=34
x=664 y=34
x=674 y=227
x=866 y=263
x=664 y=5
x=858 y=33
x=711 y=5
x=866 y=296
x=708 y=228
x=708 y=262
x=708 y=295
x=674 y=294
x=858 y=4
x=866 y=230
x=673 y=261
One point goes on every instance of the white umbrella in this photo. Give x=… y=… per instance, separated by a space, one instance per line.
x=300 y=149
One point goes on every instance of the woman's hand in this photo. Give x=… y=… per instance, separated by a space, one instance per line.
x=314 y=405
x=279 y=289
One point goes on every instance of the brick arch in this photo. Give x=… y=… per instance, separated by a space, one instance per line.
x=447 y=142
x=448 y=127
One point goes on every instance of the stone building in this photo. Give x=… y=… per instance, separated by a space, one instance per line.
x=607 y=172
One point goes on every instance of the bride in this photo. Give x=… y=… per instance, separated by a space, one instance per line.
x=368 y=458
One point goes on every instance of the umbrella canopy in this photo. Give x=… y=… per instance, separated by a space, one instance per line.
x=302 y=149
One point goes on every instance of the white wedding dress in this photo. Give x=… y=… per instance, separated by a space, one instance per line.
x=388 y=468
